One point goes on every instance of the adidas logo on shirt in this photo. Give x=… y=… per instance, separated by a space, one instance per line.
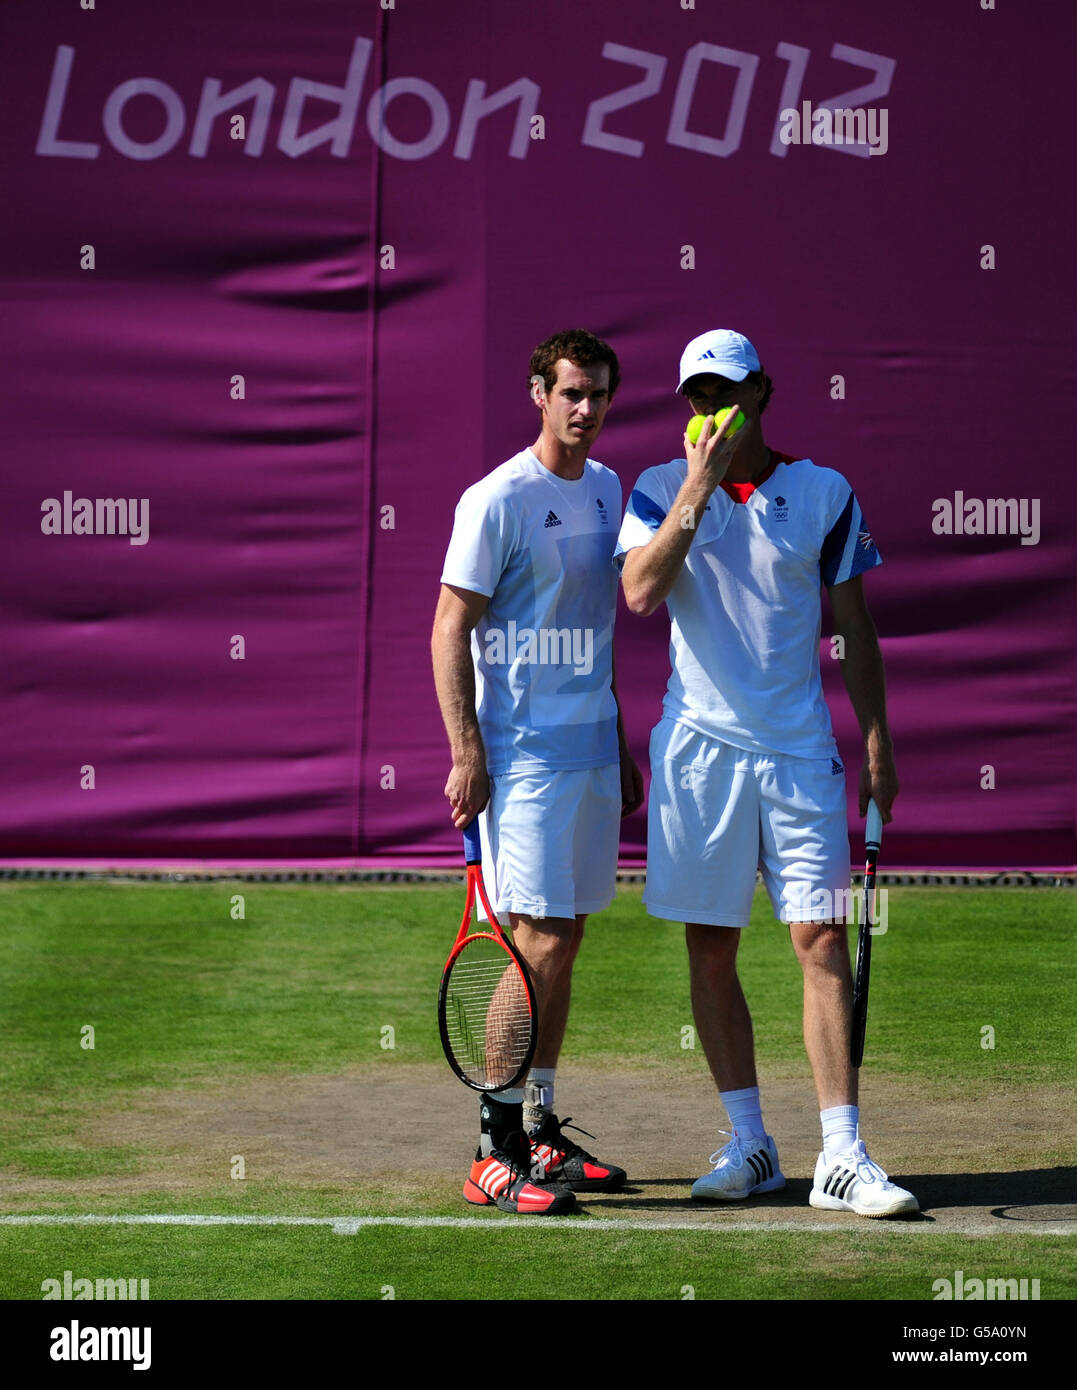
x=551 y=520
x=603 y=514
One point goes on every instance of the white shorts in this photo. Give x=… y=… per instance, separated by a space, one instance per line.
x=550 y=841
x=717 y=812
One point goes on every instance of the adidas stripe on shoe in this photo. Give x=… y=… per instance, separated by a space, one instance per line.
x=743 y=1167
x=855 y=1182
x=503 y=1178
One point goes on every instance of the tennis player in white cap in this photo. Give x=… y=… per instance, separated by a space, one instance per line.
x=738 y=541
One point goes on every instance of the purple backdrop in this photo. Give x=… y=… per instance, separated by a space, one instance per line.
x=375 y=260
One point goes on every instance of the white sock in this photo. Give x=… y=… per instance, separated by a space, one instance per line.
x=839 y=1129
x=745 y=1115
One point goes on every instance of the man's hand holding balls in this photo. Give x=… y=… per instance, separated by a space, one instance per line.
x=710 y=454
x=696 y=423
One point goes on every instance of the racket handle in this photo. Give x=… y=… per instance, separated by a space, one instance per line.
x=473 y=843
x=873 y=829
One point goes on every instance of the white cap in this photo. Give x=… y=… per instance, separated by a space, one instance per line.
x=722 y=352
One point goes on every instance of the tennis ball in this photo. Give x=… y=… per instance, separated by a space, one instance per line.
x=695 y=424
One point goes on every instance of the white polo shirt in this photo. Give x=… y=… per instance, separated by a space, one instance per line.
x=745 y=611
x=541 y=548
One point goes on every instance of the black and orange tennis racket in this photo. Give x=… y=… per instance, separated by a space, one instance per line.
x=873 y=838
x=486 y=1005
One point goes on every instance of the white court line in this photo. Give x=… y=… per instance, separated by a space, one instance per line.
x=351 y=1225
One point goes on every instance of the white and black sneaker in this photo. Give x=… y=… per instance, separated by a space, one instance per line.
x=855 y=1182
x=743 y=1167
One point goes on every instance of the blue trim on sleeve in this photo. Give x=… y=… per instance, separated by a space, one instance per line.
x=834 y=545
x=646 y=509
x=865 y=557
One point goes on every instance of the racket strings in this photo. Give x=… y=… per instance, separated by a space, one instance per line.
x=487 y=1014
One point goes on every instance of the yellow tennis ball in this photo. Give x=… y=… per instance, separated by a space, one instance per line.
x=695 y=424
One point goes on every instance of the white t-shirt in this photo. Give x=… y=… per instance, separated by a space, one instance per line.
x=745 y=611
x=541 y=548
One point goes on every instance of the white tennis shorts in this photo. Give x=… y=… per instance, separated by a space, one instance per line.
x=717 y=812
x=550 y=841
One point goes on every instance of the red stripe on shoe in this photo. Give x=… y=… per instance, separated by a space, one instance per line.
x=534 y=1197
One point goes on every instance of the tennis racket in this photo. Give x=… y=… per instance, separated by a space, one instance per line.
x=873 y=838
x=486 y=1005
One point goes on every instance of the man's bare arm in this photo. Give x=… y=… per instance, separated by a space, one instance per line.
x=865 y=680
x=468 y=787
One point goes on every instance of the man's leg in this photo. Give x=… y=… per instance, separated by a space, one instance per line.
x=823 y=951
x=702 y=851
x=719 y=1007
x=749 y=1163
x=505 y=1154
x=822 y=948
x=549 y=945
x=554 y=838
x=805 y=863
x=846 y=1178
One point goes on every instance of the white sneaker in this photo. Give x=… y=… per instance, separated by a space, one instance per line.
x=744 y=1166
x=855 y=1182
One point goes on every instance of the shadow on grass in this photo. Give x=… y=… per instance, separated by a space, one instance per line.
x=1035 y=1194
x=636 y=1197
